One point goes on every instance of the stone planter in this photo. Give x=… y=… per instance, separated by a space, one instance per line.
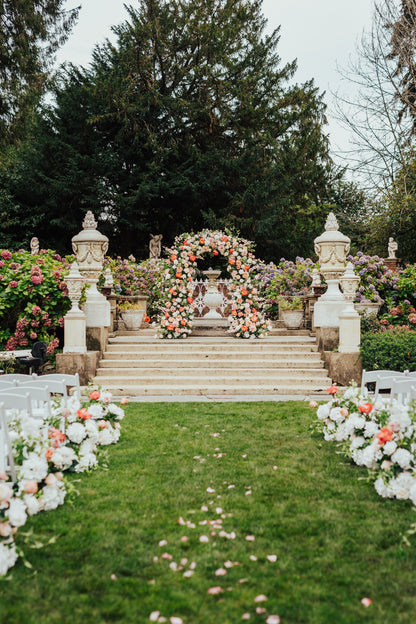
x=292 y=319
x=132 y=319
x=370 y=308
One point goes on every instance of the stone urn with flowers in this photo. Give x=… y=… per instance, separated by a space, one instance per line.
x=291 y=311
x=132 y=310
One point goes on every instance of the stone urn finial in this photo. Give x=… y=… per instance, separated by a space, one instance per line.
x=331 y=224
x=89 y=222
x=332 y=248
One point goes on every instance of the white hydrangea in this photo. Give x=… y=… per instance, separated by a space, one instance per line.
x=336 y=416
x=63 y=457
x=116 y=410
x=357 y=442
x=389 y=447
x=403 y=458
x=106 y=396
x=8 y=557
x=412 y=492
x=341 y=433
x=73 y=404
x=96 y=410
x=351 y=393
x=32 y=504
x=91 y=428
x=355 y=421
x=381 y=488
x=323 y=411
x=87 y=461
x=108 y=436
x=52 y=496
x=400 y=486
x=76 y=432
x=366 y=456
x=17 y=512
x=371 y=429
x=34 y=467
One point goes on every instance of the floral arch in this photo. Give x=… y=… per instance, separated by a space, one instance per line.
x=246 y=319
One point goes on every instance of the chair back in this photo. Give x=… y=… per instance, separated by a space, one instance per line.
x=15 y=377
x=386 y=382
x=372 y=376
x=402 y=388
x=6 y=451
x=7 y=384
x=12 y=400
x=71 y=381
x=39 y=397
x=54 y=386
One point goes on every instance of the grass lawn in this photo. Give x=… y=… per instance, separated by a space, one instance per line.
x=259 y=469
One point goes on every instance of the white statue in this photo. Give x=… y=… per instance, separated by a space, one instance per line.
x=155 y=246
x=392 y=248
x=34 y=246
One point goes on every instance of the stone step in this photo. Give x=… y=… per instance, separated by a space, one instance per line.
x=183 y=377
x=154 y=349
x=308 y=360
x=156 y=390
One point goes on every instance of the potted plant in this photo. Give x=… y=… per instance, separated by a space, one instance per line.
x=132 y=314
x=291 y=311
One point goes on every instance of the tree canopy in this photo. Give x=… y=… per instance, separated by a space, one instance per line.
x=189 y=120
x=31 y=32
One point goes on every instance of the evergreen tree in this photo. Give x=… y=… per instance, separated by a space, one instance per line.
x=189 y=120
x=31 y=32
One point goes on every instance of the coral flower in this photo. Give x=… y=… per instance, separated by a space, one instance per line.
x=365 y=408
x=332 y=389
x=224 y=239
x=201 y=241
x=190 y=300
x=49 y=453
x=215 y=252
x=83 y=413
x=147 y=319
x=384 y=435
x=244 y=292
x=170 y=328
x=231 y=261
x=95 y=395
x=178 y=274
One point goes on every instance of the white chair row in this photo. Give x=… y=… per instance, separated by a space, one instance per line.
x=32 y=394
x=392 y=384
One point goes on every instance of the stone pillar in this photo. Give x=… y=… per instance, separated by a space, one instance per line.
x=74 y=320
x=332 y=248
x=349 y=319
x=90 y=247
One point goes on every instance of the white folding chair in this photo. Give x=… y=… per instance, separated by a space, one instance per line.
x=15 y=377
x=372 y=376
x=402 y=388
x=39 y=397
x=6 y=451
x=386 y=382
x=7 y=384
x=16 y=401
x=71 y=381
x=54 y=386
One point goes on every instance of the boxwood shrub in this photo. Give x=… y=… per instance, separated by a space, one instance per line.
x=395 y=350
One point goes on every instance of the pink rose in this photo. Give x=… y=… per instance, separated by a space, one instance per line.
x=31 y=486
x=50 y=479
x=13 y=284
x=6 y=254
x=5 y=529
x=33 y=335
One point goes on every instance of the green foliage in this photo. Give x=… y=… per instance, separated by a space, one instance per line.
x=290 y=303
x=31 y=32
x=187 y=121
x=33 y=298
x=390 y=350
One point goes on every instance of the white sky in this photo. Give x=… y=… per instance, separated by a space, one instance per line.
x=320 y=34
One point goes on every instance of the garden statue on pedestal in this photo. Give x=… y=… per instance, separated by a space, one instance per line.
x=155 y=246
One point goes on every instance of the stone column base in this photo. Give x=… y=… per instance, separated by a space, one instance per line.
x=343 y=368
x=97 y=338
x=327 y=338
x=85 y=364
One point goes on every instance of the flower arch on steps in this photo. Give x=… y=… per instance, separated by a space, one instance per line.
x=176 y=319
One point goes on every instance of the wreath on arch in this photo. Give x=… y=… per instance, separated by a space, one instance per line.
x=246 y=319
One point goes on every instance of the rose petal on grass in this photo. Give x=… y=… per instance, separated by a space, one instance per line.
x=250 y=538
x=113 y=577
x=161 y=620
x=181 y=521
x=166 y=556
x=244 y=456
x=272 y=558
x=184 y=538
x=153 y=617
x=260 y=610
x=253 y=557
x=248 y=492
x=218 y=510
x=220 y=572
x=184 y=561
x=204 y=539
x=260 y=598
x=176 y=620
x=273 y=619
x=204 y=508
x=245 y=616
x=230 y=487
x=210 y=490
x=188 y=573
x=366 y=602
x=213 y=591
x=173 y=566
x=163 y=543
x=155 y=559
x=192 y=565
x=274 y=467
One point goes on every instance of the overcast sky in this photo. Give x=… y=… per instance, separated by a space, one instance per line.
x=320 y=34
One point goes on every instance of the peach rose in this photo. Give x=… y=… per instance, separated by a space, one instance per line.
x=31 y=486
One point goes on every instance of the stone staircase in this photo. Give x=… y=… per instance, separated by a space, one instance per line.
x=284 y=363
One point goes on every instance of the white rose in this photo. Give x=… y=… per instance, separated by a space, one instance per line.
x=76 y=433
x=17 y=512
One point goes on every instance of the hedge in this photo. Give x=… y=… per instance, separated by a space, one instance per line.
x=389 y=350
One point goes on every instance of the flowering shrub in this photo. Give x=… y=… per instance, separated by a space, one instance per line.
x=43 y=450
x=33 y=298
x=132 y=278
x=289 y=279
x=177 y=310
x=377 y=281
x=380 y=436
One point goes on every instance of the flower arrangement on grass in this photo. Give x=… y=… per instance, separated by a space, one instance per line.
x=379 y=435
x=177 y=310
x=43 y=451
x=33 y=298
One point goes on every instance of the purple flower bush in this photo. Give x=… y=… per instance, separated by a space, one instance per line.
x=288 y=279
x=132 y=278
x=33 y=298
